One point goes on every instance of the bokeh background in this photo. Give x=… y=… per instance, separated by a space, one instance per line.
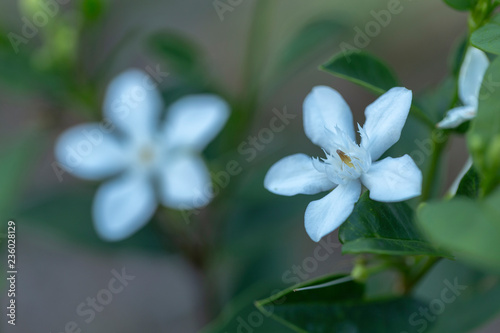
x=58 y=79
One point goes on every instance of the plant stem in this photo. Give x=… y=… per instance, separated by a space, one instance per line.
x=196 y=247
x=253 y=59
x=437 y=148
x=253 y=67
x=420 y=115
x=412 y=280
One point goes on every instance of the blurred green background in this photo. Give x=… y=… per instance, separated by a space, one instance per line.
x=260 y=57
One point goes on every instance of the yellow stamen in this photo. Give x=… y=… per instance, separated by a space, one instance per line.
x=346 y=159
x=146 y=154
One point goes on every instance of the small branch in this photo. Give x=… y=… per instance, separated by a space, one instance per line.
x=430 y=177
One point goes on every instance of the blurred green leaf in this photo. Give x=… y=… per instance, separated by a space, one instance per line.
x=368 y=72
x=338 y=308
x=252 y=217
x=310 y=36
x=173 y=93
x=487 y=38
x=470 y=229
x=483 y=137
x=363 y=69
x=92 y=9
x=18 y=73
x=469 y=185
x=472 y=301
x=461 y=4
x=383 y=228
x=240 y=314
x=181 y=53
x=436 y=100
x=68 y=214
x=17 y=159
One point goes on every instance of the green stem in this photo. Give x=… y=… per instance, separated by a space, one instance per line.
x=437 y=148
x=194 y=242
x=412 y=280
x=252 y=68
x=254 y=52
x=420 y=115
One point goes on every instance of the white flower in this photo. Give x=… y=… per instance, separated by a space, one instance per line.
x=328 y=124
x=469 y=83
x=142 y=152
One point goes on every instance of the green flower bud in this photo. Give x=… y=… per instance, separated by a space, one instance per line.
x=360 y=273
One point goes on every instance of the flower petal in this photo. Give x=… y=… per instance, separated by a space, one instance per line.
x=324 y=108
x=89 y=151
x=385 y=119
x=123 y=205
x=185 y=182
x=327 y=214
x=133 y=104
x=456 y=183
x=393 y=179
x=193 y=121
x=457 y=116
x=296 y=174
x=471 y=76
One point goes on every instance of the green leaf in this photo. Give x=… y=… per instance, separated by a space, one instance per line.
x=180 y=52
x=18 y=74
x=316 y=33
x=92 y=9
x=240 y=314
x=475 y=303
x=247 y=213
x=337 y=308
x=383 y=228
x=68 y=214
x=487 y=38
x=469 y=185
x=461 y=4
x=368 y=72
x=16 y=161
x=483 y=137
x=471 y=229
x=436 y=100
x=363 y=69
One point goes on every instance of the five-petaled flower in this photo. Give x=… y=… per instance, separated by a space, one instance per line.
x=328 y=123
x=469 y=83
x=152 y=160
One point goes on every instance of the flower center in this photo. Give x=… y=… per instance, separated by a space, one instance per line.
x=146 y=154
x=346 y=159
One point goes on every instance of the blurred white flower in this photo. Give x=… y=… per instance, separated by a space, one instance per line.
x=469 y=83
x=347 y=165
x=153 y=161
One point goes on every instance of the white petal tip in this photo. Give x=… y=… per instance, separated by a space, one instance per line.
x=123 y=206
x=325 y=215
